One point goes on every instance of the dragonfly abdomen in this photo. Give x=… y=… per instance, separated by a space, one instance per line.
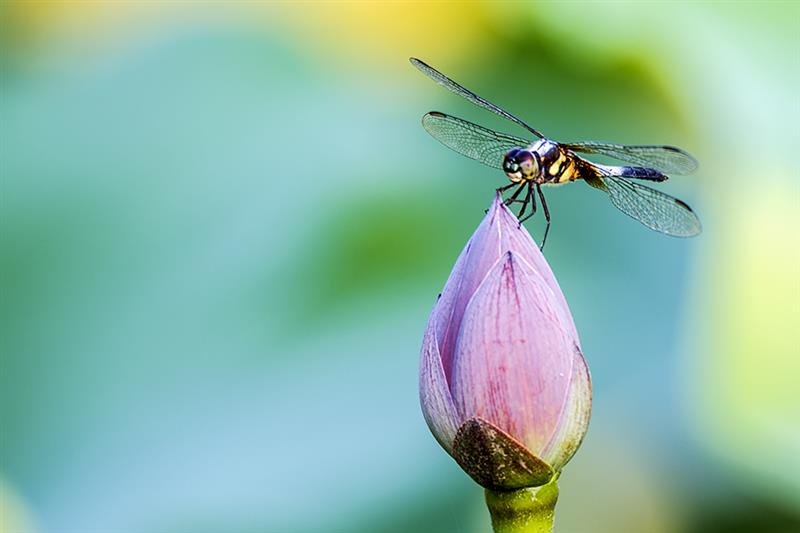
x=639 y=173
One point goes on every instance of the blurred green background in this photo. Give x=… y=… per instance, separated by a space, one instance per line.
x=223 y=229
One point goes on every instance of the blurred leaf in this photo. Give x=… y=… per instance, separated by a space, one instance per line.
x=372 y=248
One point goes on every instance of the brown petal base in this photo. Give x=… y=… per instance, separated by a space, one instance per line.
x=495 y=459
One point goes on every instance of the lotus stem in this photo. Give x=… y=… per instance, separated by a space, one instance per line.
x=523 y=511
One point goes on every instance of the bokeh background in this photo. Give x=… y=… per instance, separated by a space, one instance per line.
x=223 y=228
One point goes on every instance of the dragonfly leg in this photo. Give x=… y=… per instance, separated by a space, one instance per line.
x=501 y=190
x=546 y=215
x=532 y=199
x=513 y=197
x=525 y=202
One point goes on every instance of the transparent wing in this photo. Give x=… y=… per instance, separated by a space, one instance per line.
x=654 y=209
x=666 y=159
x=471 y=140
x=450 y=85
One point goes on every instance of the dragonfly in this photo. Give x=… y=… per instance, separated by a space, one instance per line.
x=531 y=164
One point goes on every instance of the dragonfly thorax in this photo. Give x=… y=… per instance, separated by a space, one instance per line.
x=543 y=162
x=521 y=164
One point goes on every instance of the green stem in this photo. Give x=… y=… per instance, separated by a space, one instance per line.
x=524 y=510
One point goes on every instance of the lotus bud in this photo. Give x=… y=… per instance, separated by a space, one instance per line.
x=504 y=386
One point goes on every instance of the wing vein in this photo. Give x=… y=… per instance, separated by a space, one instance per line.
x=462 y=91
x=666 y=159
x=656 y=210
x=471 y=140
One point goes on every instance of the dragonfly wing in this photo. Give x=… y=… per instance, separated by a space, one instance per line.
x=666 y=159
x=471 y=140
x=451 y=85
x=654 y=209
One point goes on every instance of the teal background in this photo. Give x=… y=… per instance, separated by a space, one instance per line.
x=223 y=228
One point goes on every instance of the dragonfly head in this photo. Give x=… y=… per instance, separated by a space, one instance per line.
x=521 y=165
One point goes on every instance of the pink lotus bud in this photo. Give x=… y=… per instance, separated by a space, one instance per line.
x=503 y=384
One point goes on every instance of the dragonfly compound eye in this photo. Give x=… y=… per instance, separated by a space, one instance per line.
x=510 y=163
x=511 y=166
x=528 y=164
